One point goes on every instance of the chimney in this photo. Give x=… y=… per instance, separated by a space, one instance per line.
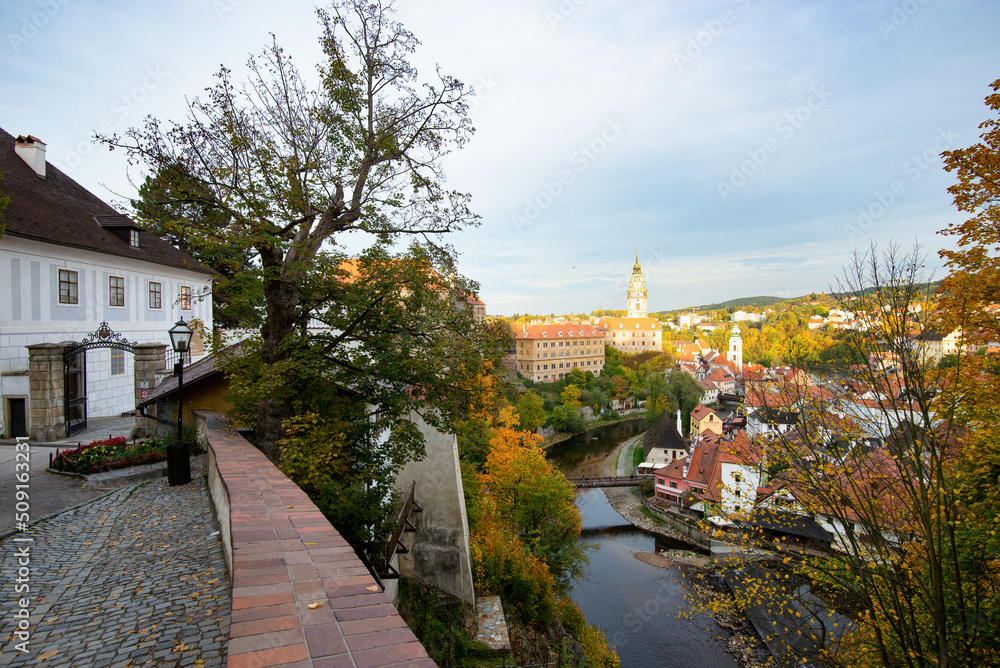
x=32 y=151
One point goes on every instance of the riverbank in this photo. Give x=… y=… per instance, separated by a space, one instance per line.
x=559 y=437
x=743 y=644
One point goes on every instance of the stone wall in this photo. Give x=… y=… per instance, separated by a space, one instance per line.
x=439 y=549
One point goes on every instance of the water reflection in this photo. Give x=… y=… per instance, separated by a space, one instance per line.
x=636 y=605
x=582 y=454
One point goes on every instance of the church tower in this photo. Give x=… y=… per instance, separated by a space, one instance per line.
x=637 y=293
x=736 y=348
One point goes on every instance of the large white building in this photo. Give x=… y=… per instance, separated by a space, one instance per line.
x=68 y=263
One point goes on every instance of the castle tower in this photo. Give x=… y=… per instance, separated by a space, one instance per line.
x=736 y=348
x=637 y=293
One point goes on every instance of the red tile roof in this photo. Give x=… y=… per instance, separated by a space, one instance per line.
x=558 y=331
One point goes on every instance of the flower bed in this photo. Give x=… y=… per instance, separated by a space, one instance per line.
x=109 y=454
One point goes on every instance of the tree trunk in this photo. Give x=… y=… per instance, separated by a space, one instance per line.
x=281 y=298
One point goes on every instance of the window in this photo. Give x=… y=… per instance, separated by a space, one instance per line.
x=155 y=295
x=116 y=291
x=67 y=286
x=133 y=238
x=185 y=298
x=117 y=362
x=673 y=484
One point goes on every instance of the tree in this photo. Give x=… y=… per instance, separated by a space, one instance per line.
x=577 y=377
x=900 y=482
x=974 y=278
x=531 y=410
x=570 y=396
x=290 y=169
x=528 y=494
x=200 y=230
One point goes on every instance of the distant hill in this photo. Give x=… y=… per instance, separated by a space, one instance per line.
x=758 y=302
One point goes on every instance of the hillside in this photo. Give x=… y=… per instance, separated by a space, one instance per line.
x=742 y=302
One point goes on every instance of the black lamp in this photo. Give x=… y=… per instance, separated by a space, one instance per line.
x=178 y=462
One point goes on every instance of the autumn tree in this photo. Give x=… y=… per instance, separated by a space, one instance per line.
x=529 y=494
x=290 y=168
x=974 y=278
x=892 y=479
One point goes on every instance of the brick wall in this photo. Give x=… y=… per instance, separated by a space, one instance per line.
x=284 y=556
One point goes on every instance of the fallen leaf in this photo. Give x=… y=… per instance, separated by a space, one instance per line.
x=372 y=588
x=48 y=655
x=313 y=606
x=289 y=506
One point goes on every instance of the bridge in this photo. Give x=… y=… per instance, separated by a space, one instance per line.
x=609 y=481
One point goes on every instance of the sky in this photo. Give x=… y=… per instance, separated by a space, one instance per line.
x=737 y=147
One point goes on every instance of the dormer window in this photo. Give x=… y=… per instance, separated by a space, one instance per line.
x=133 y=238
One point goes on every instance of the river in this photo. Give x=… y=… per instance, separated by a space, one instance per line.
x=635 y=604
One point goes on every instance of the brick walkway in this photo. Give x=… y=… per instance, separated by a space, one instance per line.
x=133 y=578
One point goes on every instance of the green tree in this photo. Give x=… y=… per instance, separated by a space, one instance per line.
x=577 y=377
x=171 y=205
x=531 y=410
x=291 y=170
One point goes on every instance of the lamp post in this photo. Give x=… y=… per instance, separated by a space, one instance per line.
x=178 y=462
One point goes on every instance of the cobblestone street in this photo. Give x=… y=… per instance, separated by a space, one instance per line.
x=136 y=577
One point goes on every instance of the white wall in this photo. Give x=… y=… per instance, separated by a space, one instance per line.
x=30 y=313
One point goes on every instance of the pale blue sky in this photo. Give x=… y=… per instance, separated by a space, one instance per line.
x=734 y=144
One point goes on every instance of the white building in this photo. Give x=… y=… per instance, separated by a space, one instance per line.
x=70 y=262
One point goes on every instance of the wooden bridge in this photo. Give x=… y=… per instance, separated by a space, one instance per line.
x=609 y=481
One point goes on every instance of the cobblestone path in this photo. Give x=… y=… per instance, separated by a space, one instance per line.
x=133 y=578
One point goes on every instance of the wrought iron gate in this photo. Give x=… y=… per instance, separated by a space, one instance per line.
x=75 y=373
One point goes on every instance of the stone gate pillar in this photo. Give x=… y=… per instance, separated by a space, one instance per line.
x=47 y=394
x=150 y=359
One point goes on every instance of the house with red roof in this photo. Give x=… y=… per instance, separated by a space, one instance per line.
x=70 y=263
x=547 y=352
x=719 y=479
x=705 y=419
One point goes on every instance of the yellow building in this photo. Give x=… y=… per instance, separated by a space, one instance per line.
x=632 y=335
x=547 y=353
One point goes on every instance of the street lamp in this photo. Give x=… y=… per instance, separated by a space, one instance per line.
x=178 y=462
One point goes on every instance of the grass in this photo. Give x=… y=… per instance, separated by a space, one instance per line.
x=637 y=457
x=645 y=511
